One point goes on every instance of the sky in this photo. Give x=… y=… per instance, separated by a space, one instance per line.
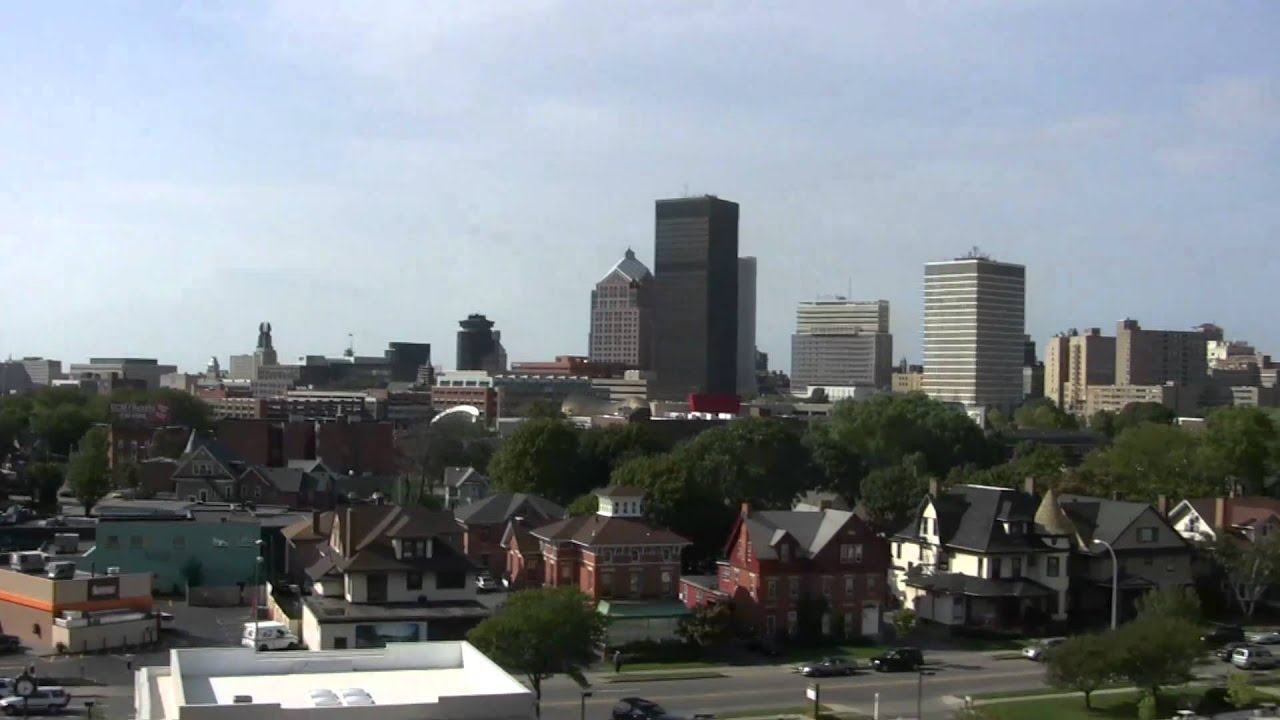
x=171 y=174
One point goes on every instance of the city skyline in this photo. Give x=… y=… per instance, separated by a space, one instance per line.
x=176 y=171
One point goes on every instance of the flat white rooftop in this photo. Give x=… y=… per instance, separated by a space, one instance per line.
x=405 y=680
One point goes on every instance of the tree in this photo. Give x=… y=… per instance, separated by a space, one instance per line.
x=890 y=495
x=904 y=621
x=838 y=465
x=708 y=626
x=1242 y=443
x=428 y=448
x=541 y=633
x=1250 y=568
x=1040 y=413
x=1241 y=691
x=677 y=499
x=601 y=449
x=545 y=409
x=1154 y=652
x=1149 y=460
x=1083 y=663
x=60 y=427
x=87 y=472
x=540 y=457
x=586 y=504
x=1135 y=414
x=44 y=480
x=1103 y=421
x=1174 y=603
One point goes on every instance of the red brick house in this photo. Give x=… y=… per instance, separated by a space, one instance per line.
x=524 y=557
x=786 y=568
x=484 y=523
x=631 y=569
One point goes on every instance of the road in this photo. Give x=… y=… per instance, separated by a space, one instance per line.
x=749 y=689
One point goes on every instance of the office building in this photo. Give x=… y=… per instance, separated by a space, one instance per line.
x=142 y=372
x=746 y=326
x=1183 y=400
x=480 y=346
x=622 y=315
x=843 y=343
x=401 y=681
x=1156 y=357
x=974 y=331
x=908 y=378
x=41 y=371
x=696 y=297
x=14 y=378
x=1075 y=361
x=77 y=611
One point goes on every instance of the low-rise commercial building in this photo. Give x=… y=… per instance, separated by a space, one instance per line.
x=1181 y=399
x=419 y=681
x=144 y=371
x=84 y=612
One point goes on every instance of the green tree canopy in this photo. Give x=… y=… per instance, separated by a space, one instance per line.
x=540 y=457
x=586 y=504
x=601 y=449
x=1152 y=459
x=1083 y=663
x=87 y=472
x=886 y=429
x=1156 y=651
x=1250 y=569
x=1243 y=443
x=1040 y=413
x=891 y=494
x=542 y=633
x=44 y=480
x=427 y=448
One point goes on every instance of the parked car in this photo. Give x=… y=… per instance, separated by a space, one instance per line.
x=50 y=699
x=269 y=635
x=486 y=583
x=6 y=687
x=897 y=659
x=10 y=643
x=1219 y=634
x=635 y=708
x=829 y=667
x=1224 y=653
x=1253 y=658
x=1266 y=638
x=166 y=620
x=1041 y=649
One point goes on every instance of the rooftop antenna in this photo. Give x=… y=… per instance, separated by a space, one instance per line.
x=351 y=346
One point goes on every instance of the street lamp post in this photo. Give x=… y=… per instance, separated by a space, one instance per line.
x=257 y=566
x=583 y=712
x=920 y=692
x=1115 y=581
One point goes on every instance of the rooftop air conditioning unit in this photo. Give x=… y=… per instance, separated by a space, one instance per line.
x=242 y=699
x=113 y=570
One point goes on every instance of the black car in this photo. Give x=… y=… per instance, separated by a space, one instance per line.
x=9 y=643
x=828 y=667
x=898 y=659
x=1219 y=634
x=635 y=708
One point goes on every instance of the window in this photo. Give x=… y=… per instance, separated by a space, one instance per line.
x=1193 y=523
x=413 y=581
x=566 y=571
x=771 y=589
x=982 y=563
x=995 y=567
x=784 y=552
x=451 y=580
x=179 y=541
x=135 y=542
x=792 y=622
x=871 y=583
x=1051 y=568
x=848 y=584
x=666 y=583
x=897 y=550
x=944 y=560
x=113 y=542
x=606 y=583
x=635 y=583
x=852 y=552
x=339 y=643
x=204 y=496
x=635 y=554
x=826 y=586
x=666 y=553
x=795 y=587
x=770 y=625
x=1017 y=568
x=1148 y=560
x=1148 y=534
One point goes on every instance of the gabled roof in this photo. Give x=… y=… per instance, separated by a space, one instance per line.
x=498 y=509
x=620 y=491
x=630 y=268
x=368 y=530
x=972 y=517
x=1241 y=512
x=520 y=537
x=196 y=444
x=458 y=476
x=1101 y=518
x=305 y=529
x=811 y=530
x=606 y=530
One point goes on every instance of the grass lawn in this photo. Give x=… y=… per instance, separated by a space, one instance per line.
x=1115 y=705
x=856 y=652
x=806 y=711
x=680 y=665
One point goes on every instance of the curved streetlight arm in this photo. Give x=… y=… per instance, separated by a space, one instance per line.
x=1115 y=581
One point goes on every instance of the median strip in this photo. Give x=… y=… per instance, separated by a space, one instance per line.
x=662 y=676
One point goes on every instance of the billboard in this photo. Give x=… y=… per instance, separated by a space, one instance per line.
x=139 y=413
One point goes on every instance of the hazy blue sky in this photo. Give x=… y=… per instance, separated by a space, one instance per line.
x=171 y=174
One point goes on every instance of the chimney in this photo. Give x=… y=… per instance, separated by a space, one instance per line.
x=1162 y=505
x=1219 y=513
x=1029 y=485
x=933 y=487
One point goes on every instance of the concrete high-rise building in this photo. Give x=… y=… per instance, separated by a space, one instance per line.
x=622 y=315
x=42 y=371
x=974 y=325
x=841 y=343
x=480 y=346
x=1156 y=357
x=1075 y=361
x=695 y=267
x=746 y=326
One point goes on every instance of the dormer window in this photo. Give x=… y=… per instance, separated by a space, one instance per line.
x=784 y=552
x=414 y=548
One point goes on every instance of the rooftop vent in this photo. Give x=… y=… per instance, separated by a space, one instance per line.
x=242 y=699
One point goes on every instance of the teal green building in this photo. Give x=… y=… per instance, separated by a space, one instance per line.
x=179 y=549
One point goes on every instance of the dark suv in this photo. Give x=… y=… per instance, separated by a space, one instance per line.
x=898 y=659
x=1219 y=634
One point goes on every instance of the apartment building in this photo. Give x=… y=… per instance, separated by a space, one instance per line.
x=1156 y=357
x=1075 y=361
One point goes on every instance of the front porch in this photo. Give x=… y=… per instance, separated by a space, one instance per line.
x=965 y=601
x=1091 y=602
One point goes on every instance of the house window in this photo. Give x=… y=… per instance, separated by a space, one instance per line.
x=451 y=580
x=995 y=567
x=635 y=583
x=204 y=496
x=795 y=587
x=851 y=552
x=179 y=541
x=792 y=622
x=848 y=584
x=1017 y=568
x=413 y=581
x=666 y=553
x=635 y=554
x=606 y=583
x=770 y=625
x=871 y=583
x=257 y=491
x=113 y=542
x=566 y=571
x=784 y=552
x=848 y=625
x=339 y=643
x=1148 y=560
x=826 y=586
x=1051 y=566
x=1148 y=534
x=897 y=550
x=771 y=590
x=1193 y=523
x=944 y=560
x=666 y=583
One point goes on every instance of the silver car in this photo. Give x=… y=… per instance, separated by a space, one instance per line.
x=1038 y=651
x=1253 y=658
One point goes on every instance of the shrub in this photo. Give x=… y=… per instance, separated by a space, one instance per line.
x=904 y=621
x=1240 y=690
x=1147 y=707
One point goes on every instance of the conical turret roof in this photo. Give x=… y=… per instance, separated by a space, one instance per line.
x=1051 y=520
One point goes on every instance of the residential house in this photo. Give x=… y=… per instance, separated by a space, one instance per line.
x=463 y=485
x=484 y=524
x=385 y=574
x=1003 y=558
x=207 y=471
x=1204 y=520
x=629 y=567
x=303 y=541
x=800 y=572
x=524 y=557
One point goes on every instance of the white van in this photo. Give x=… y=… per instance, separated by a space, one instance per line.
x=269 y=635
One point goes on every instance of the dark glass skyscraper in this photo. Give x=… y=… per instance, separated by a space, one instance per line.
x=695 y=268
x=480 y=346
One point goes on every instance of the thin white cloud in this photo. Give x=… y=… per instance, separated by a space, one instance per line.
x=1238 y=103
